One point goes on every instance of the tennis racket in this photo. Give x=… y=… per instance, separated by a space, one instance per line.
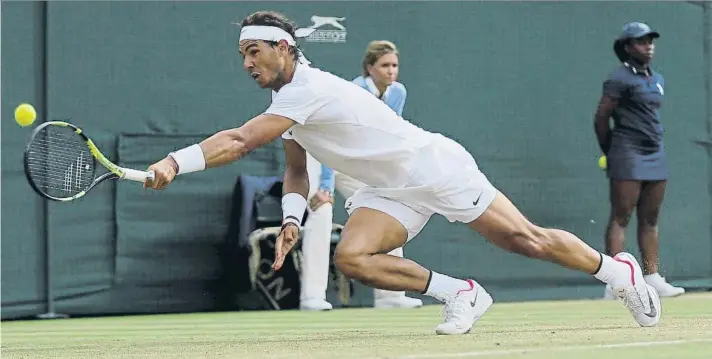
x=61 y=161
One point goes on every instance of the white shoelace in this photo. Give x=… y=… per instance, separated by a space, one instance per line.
x=452 y=308
x=631 y=299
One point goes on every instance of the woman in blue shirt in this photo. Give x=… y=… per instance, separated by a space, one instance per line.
x=379 y=75
x=636 y=160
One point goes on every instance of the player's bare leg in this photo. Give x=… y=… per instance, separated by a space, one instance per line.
x=362 y=254
x=347 y=186
x=503 y=225
x=387 y=299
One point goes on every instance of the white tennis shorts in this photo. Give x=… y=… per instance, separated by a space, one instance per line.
x=446 y=181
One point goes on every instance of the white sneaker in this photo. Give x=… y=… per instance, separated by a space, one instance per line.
x=314 y=304
x=664 y=288
x=642 y=299
x=608 y=293
x=397 y=302
x=658 y=282
x=463 y=310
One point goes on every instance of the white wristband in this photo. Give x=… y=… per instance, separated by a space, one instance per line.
x=293 y=207
x=189 y=159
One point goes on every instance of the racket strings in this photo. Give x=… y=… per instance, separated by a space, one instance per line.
x=59 y=162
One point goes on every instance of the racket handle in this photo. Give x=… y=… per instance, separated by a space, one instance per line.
x=138 y=176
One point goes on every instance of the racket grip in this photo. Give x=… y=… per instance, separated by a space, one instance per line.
x=138 y=176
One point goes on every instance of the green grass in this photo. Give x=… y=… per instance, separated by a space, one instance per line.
x=565 y=329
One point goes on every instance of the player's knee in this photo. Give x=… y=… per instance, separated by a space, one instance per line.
x=350 y=261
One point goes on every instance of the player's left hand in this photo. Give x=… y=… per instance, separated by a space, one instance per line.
x=164 y=172
x=286 y=240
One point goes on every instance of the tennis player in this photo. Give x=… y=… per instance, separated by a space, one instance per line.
x=411 y=174
x=379 y=74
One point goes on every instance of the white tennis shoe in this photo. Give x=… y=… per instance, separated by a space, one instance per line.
x=464 y=309
x=641 y=298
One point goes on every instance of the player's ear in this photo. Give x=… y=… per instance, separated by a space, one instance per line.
x=283 y=46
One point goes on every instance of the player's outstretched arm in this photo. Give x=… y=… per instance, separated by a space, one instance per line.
x=231 y=145
x=220 y=149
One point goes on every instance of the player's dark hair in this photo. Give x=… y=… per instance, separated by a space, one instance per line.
x=276 y=19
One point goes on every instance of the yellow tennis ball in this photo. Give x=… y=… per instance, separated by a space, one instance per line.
x=602 y=162
x=25 y=114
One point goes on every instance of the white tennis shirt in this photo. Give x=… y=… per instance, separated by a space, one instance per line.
x=348 y=129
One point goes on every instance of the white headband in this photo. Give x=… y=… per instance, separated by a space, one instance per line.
x=275 y=34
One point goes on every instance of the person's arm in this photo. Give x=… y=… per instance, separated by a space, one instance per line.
x=601 y=122
x=613 y=89
x=326 y=180
x=325 y=194
x=400 y=104
x=295 y=188
x=292 y=105
x=231 y=145
x=220 y=149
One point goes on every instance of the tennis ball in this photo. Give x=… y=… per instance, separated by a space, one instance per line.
x=25 y=114
x=602 y=162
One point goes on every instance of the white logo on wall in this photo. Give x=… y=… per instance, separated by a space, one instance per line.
x=334 y=32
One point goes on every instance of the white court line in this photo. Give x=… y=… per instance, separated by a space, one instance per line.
x=541 y=349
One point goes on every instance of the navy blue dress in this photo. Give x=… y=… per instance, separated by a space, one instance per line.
x=637 y=151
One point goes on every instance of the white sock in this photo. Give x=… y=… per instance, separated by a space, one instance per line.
x=610 y=270
x=442 y=287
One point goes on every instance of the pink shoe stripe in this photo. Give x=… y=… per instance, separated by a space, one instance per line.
x=472 y=286
x=632 y=269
